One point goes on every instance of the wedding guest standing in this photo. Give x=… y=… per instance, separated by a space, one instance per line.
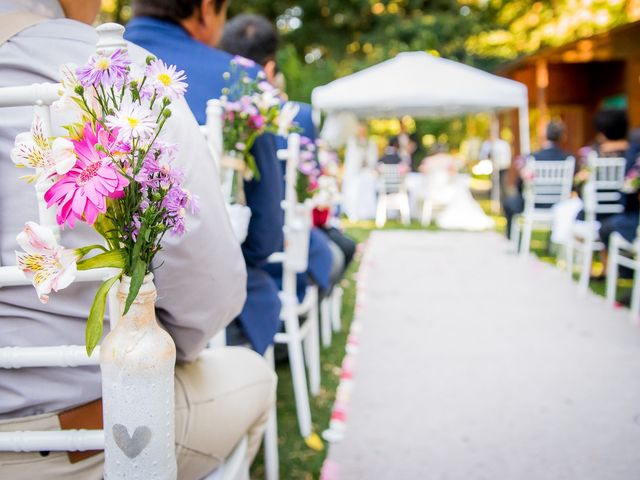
x=186 y=34
x=200 y=290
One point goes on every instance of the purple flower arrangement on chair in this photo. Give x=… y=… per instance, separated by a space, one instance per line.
x=110 y=171
x=252 y=107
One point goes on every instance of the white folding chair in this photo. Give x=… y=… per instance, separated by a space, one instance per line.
x=212 y=132
x=302 y=340
x=550 y=183
x=601 y=195
x=624 y=254
x=392 y=194
x=41 y=96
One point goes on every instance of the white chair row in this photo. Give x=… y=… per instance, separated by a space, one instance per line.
x=601 y=196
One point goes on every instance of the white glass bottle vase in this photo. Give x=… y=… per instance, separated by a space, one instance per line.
x=137 y=359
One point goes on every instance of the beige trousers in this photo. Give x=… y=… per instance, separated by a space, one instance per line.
x=227 y=393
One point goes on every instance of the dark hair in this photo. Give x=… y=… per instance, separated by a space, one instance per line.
x=251 y=36
x=175 y=10
x=394 y=142
x=612 y=123
x=555 y=130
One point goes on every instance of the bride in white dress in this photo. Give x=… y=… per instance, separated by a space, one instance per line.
x=448 y=189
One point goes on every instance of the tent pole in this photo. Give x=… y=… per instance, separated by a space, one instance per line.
x=523 y=120
x=495 y=174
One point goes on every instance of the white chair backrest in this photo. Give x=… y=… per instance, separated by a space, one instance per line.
x=391 y=178
x=297 y=216
x=602 y=192
x=41 y=96
x=551 y=181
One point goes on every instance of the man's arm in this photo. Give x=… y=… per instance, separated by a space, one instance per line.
x=263 y=198
x=201 y=276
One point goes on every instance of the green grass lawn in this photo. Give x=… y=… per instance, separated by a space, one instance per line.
x=299 y=462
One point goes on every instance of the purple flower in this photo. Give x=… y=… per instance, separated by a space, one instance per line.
x=243 y=62
x=104 y=70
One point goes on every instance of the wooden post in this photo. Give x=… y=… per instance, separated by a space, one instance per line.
x=542 y=82
x=632 y=81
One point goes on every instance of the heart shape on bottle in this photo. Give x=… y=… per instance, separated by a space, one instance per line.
x=133 y=445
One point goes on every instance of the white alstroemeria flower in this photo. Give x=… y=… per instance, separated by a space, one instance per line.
x=63 y=155
x=285 y=119
x=33 y=150
x=133 y=121
x=69 y=83
x=48 y=265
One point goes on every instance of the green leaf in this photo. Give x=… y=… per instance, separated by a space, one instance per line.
x=93 y=332
x=112 y=258
x=251 y=163
x=137 y=277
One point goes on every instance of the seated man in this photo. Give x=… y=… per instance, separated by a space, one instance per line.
x=391 y=154
x=254 y=37
x=513 y=203
x=199 y=290
x=185 y=34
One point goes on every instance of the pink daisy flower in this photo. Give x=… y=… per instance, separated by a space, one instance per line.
x=82 y=192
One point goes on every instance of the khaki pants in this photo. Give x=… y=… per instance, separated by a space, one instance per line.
x=225 y=394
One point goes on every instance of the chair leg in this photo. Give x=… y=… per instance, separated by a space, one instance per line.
x=570 y=254
x=514 y=234
x=325 y=320
x=312 y=351
x=612 y=273
x=405 y=210
x=527 y=232
x=634 y=310
x=271 y=456
x=298 y=375
x=427 y=212
x=381 y=213
x=585 y=271
x=336 y=307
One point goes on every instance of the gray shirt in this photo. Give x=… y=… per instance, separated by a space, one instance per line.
x=200 y=277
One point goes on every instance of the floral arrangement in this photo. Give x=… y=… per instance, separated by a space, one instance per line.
x=632 y=179
x=308 y=170
x=328 y=192
x=109 y=171
x=581 y=177
x=251 y=108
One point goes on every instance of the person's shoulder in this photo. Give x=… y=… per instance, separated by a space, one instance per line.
x=58 y=31
x=305 y=110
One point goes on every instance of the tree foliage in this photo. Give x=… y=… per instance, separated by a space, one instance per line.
x=325 y=39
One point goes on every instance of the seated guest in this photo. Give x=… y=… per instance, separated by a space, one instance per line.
x=612 y=126
x=391 y=155
x=254 y=37
x=199 y=289
x=514 y=201
x=186 y=34
x=625 y=223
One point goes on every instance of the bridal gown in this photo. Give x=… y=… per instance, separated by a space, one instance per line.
x=463 y=212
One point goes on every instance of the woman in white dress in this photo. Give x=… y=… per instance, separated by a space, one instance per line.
x=445 y=187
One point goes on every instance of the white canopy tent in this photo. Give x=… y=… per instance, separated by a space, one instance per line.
x=421 y=85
